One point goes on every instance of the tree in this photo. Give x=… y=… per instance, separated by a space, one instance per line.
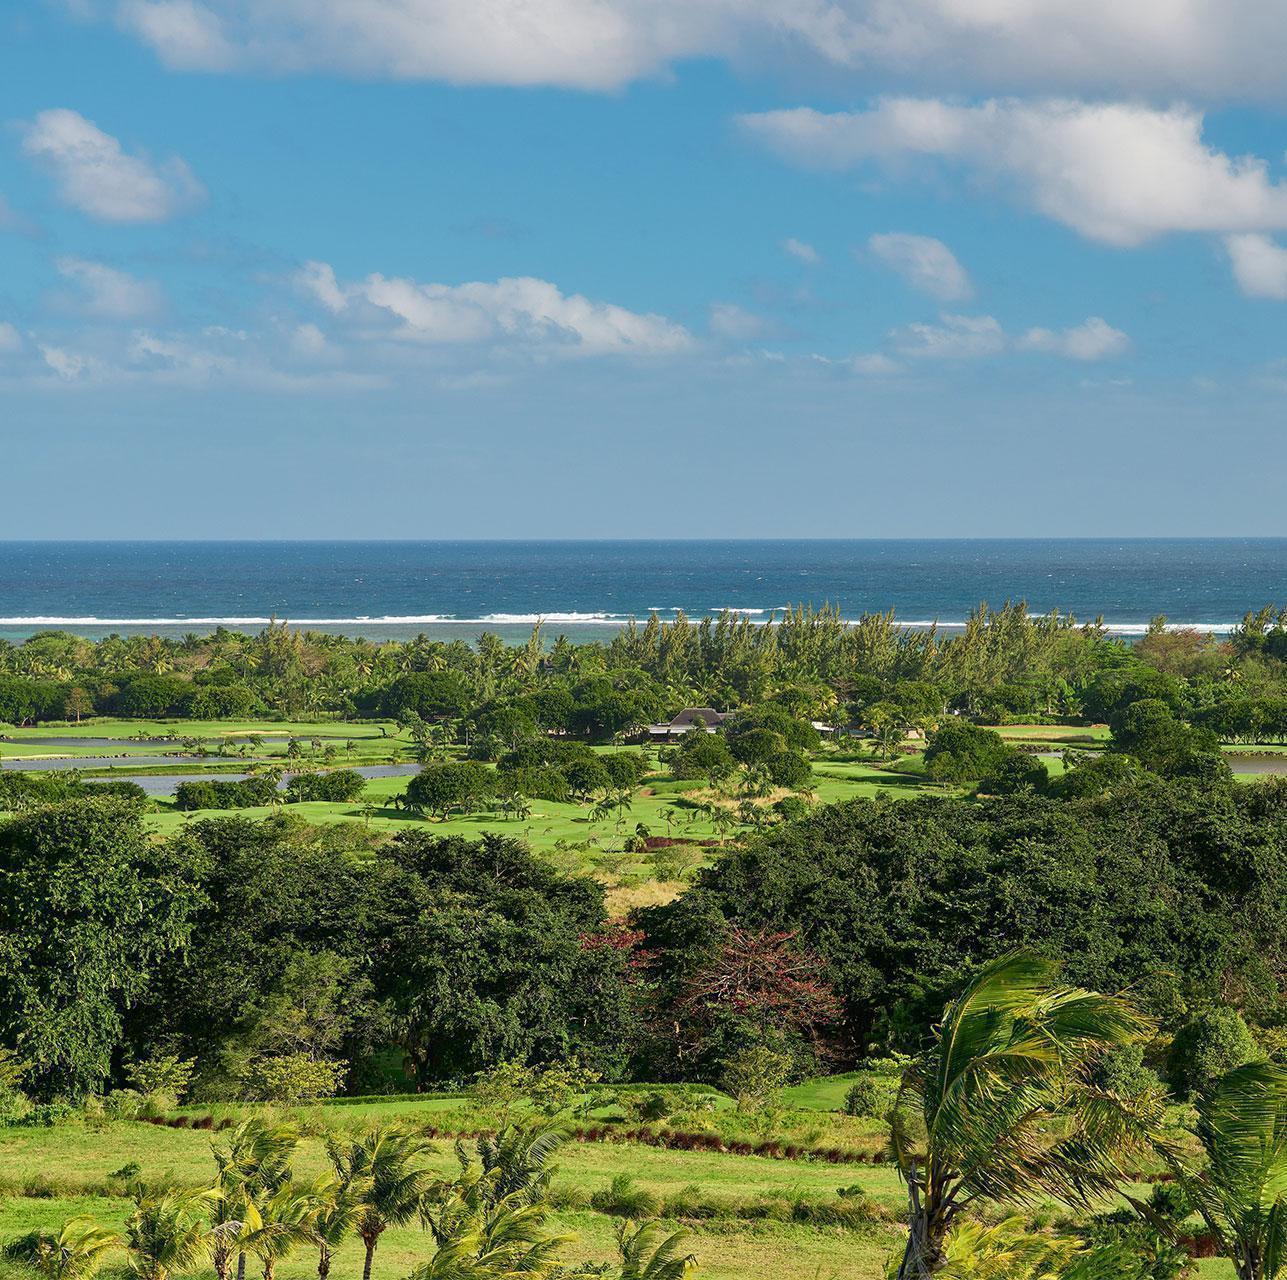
x=1242 y=1192
x=962 y=752
x=647 y=1253
x=1013 y=1051
x=75 y=1252
x=1207 y=1046
x=286 y=1221
x=388 y=1164
x=337 y=1217
x=166 y=1233
x=89 y=905
x=253 y=1164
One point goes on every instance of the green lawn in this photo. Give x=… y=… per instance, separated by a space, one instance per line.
x=72 y=1158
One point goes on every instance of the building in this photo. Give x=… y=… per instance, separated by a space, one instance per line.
x=684 y=721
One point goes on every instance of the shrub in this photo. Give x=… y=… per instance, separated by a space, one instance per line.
x=756 y=1076
x=248 y=793
x=962 y=752
x=624 y=1200
x=1206 y=1047
x=292 y=1077
x=340 y=786
x=1017 y=773
x=865 y=1098
x=1123 y=1072
x=162 y=1076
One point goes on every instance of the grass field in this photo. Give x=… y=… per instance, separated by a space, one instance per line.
x=50 y=1174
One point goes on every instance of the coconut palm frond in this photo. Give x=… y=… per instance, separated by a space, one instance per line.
x=75 y=1252
x=647 y=1253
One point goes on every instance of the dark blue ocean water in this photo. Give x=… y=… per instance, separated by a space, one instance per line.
x=580 y=588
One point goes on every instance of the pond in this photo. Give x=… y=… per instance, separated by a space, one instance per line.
x=162 y=784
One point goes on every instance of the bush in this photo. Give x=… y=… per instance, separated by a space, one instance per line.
x=442 y=789
x=1018 y=772
x=865 y=1098
x=790 y=769
x=962 y=752
x=756 y=1076
x=162 y=1076
x=340 y=786
x=1206 y=1047
x=292 y=1077
x=249 y=793
x=1123 y=1072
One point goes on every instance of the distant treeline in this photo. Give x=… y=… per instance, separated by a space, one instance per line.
x=1005 y=663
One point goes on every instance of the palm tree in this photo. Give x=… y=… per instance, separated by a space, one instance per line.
x=1009 y=1250
x=645 y=1257
x=337 y=1218
x=286 y=1221
x=1242 y=1192
x=388 y=1160
x=166 y=1234
x=1013 y=1053
x=252 y=1165
x=75 y=1253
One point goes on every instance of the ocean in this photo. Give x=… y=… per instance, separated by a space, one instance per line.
x=583 y=589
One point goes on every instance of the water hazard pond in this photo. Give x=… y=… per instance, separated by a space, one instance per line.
x=158 y=784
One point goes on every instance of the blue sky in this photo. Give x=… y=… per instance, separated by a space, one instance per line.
x=413 y=268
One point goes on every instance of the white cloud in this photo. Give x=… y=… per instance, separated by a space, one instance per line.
x=1114 y=172
x=1222 y=48
x=310 y=342
x=959 y=337
x=799 y=249
x=925 y=263
x=110 y=293
x=876 y=364
x=98 y=177
x=188 y=35
x=954 y=338
x=1094 y=339
x=10 y=338
x=318 y=278
x=731 y=321
x=522 y=311
x=1259 y=266
x=66 y=364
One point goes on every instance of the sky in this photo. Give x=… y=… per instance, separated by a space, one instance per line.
x=630 y=268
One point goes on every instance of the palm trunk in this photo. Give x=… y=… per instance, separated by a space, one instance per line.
x=370 y=1242
x=928 y=1221
x=269 y=1267
x=323 y=1262
x=241 y=1266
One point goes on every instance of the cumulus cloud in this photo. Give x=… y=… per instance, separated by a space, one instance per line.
x=1259 y=266
x=925 y=263
x=1225 y=48
x=96 y=175
x=112 y=294
x=799 y=249
x=963 y=337
x=1095 y=339
x=521 y=311
x=1113 y=172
